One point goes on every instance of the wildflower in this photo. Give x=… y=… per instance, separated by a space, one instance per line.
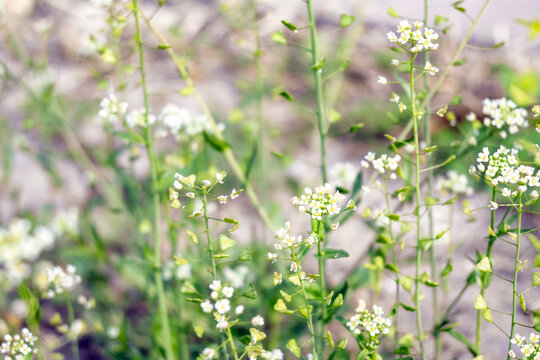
x=402 y=107
x=536 y=110
x=223 y=199
x=278 y=278
x=222 y=322
x=395 y=98
x=493 y=205
x=442 y=111
x=208 y=353
x=534 y=194
x=418 y=40
x=235 y=194
x=215 y=285
x=382 y=80
x=111 y=111
x=272 y=256
x=19 y=346
x=190 y=195
x=295 y=267
x=220 y=176
x=138 y=118
x=223 y=306
x=318 y=202
x=384 y=163
x=60 y=281
x=273 y=355
x=227 y=291
x=395 y=62
x=432 y=70
x=334 y=226
x=207 y=306
x=257 y=320
x=370 y=324
x=504 y=115
x=239 y=309
x=471 y=116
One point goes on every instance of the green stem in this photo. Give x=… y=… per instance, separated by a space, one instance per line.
x=322 y=278
x=308 y=309
x=483 y=286
x=71 y=318
x=516 y=266
x=207 y=229
x=162 y=305
x=394 y=257
x=317 y=71
x=231 y=342
x=432 y=255
x=417 y=212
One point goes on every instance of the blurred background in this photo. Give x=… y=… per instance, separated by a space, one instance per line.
x=59 y=58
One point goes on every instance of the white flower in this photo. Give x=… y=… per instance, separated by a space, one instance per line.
x=215 y=285
x=208 y=353
x=227 y=291
x=257 y=320
x=334 y=226
x=395 y=98
x=395 y=62
x=223 y=199
x=382 y=80
x=223 y=306
x=222 y=323
x=432 y=70
x=493 y=205
x=239 y=310
x=207 y=306
x=402 y=107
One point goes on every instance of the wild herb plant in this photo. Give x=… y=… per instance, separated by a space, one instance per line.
x=192 y=289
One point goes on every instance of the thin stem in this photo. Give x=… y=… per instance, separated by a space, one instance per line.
x=417 y=212
x=483 y=287
x=308 y=309
x=516 y=267
x=394 y=258
x=162 y=306
x=208 y=239
x=71 y=318
x=317 y=71
x=322 y=278
x=231 y=342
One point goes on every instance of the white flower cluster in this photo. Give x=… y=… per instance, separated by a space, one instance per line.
x=60 y=281
x=206 y=185
x=383 y=164
x=66 y=222
x=417 y=40
x=172 y=119
x=372 y=324
x=222 y=305
x=18 y=347
x=454 y=183
x=503 y=167
x=530 y=351
x=111 y=110
x=19 y=245
x=284 y=238
x=319 y=201
x=504 y=114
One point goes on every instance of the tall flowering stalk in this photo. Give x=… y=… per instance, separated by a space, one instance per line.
x=147 y=131
x=414 y=42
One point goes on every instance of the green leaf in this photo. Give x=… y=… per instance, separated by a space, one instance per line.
x=281 y=307
x=333 y=116
x=250 y=292
x=221 y=256
x=456 y=100
x=131 y=136
x=536 y=279
x=289 y=26
x=198 y=330
x=459 y=62
x=229 y=220
x=464 y=340
x=356 y=127
x=346 y=20
x=498 y=45
x=217 y=143
x=392 y=267
x=163 y=46
x=257 y=334
x=431 y=201
x=392 y=12
x=293 y=347
x=332 y=254
x=180 y=260
x=439 y=20
x=522 y=302
x=287 y=95
x=329 y=339
x=279 y=38
x=447 y=269
x=192 y=236
x=406 y=340
x=188 y=90
x=319 y=65
x=225 y=242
